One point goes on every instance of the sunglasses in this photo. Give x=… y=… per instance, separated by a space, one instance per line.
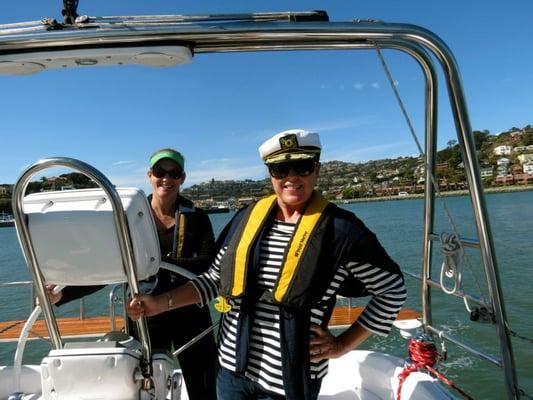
x=160 y=172
x=300 y=168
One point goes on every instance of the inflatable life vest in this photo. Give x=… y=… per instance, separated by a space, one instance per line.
x=300 y=260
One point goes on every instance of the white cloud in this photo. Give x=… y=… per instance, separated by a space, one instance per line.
x=219 y=161
x=358 y=85
x=376 y=85
x=336 y=125
x=374 y=152
x=122 y=162
x=135 y=180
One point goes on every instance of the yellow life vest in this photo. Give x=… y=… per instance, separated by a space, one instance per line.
x=236 y=261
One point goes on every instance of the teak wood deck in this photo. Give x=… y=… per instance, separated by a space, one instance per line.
x=95 y=326
x=346 y=315
x=68 y=327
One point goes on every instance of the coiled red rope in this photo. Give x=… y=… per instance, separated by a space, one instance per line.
x=423 y=355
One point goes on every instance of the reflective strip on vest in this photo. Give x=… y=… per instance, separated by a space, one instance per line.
x=299 y=241
x=256 y=219
x=181 y=235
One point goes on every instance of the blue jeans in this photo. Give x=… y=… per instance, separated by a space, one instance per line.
x=232 y=386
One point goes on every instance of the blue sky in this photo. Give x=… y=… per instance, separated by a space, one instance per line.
x=220 y=108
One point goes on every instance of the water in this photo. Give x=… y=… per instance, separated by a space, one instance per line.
x=398 y=226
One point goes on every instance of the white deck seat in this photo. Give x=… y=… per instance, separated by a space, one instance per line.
x=103 y=370
x=75 y=239
x=30 y=381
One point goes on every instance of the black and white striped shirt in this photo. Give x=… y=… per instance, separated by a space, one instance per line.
x=264 y=364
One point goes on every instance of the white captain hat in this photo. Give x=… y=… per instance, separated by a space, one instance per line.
x=291 y=145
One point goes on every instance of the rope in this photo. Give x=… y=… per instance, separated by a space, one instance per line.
x=21 y=345
x=423 y=355
x=452 y=266
x=524 y=394
x=422 y=154
x=516 y=335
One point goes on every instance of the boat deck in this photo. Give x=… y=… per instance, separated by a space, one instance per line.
x=345 y=315
x=68 y=327
x=96 y=326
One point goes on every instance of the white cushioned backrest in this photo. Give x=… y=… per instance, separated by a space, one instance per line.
x=75 y=239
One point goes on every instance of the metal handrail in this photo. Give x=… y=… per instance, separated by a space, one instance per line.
x=113 y=299
x=458 y=293
x=219 y=36
x=21 y=283
x=124 y=240
x=472 y=350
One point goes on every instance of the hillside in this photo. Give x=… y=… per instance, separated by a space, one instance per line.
x=505 y=159
x=345 y=180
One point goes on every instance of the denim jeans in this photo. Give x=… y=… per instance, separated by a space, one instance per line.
x=232 y=386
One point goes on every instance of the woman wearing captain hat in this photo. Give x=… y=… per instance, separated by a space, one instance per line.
x=282 y=262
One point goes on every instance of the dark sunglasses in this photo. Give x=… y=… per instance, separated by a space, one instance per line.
x=301 y=168
x=160 y=172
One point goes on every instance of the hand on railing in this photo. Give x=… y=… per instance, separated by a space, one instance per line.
x=54 y=294
x=145 y=304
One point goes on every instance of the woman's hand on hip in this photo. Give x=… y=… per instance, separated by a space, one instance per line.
x=323 y=345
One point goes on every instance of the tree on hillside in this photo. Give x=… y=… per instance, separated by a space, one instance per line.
x=481 y=138
x=78 y=180
x=527 y=139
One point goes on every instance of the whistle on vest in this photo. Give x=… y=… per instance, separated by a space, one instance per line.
x=222 y=305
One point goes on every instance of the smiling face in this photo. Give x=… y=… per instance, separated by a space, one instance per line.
x=165 y=185
x=294 y=190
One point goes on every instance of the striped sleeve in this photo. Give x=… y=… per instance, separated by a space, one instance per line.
x=207 y=283
x=388 y=295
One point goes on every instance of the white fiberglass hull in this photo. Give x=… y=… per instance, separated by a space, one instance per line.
x=359 y=375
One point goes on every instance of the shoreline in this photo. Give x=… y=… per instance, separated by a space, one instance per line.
x=450 y=193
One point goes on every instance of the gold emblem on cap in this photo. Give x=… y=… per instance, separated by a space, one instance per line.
x=288 y=142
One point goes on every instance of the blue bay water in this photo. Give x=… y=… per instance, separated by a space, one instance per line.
x=398 y=225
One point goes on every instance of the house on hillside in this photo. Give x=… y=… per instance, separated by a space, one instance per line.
x=502 y=150
x=516 y=169
x=503 y=180
x=525 y=158
x=523 y=179
x=503 y=166
x=486 y=172
x=528 y=168
x=419 y=173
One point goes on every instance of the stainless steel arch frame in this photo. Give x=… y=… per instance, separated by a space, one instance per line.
x=123 y=236
x=273 y=32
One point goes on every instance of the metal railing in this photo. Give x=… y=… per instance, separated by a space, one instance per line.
x=114 y=299
x=123 y=236
x=213 y=35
